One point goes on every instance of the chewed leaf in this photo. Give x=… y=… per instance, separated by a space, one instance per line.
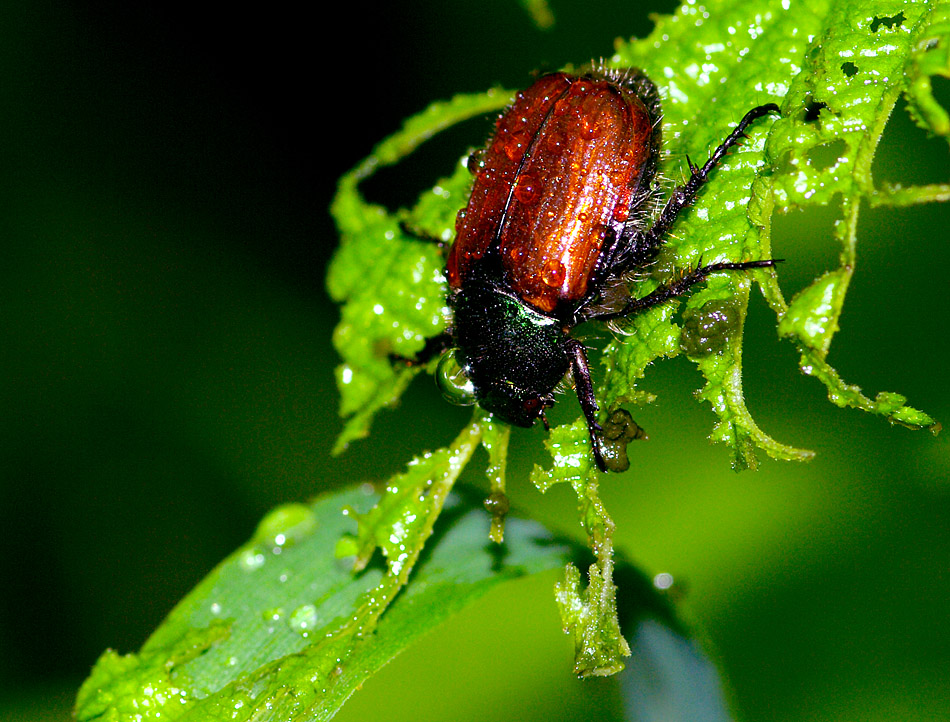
x=812 y=316
x=835 y=91
x=389 y=282
x=383 y=316
x=931 y=57
x=588 y=612
x=729 y=220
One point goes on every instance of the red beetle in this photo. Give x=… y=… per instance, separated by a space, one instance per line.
x=556 y=220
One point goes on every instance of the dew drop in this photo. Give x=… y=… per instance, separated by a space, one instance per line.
x=597 y=235
x=580 y=88
x=708 y=330
x=553 y=273
x=273 y=615
x=284 y=526
x=476 y=161
x=588 y=128
x=554 y=141
x=516 y=144
x=527 y=190
x=252 y=559
x=303 y=619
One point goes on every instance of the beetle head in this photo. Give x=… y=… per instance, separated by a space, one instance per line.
x=513 y=354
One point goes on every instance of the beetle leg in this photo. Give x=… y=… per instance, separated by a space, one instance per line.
x=585 y=395
x=644 y=245
x=544 y=420
x=693 y=168
x=434 y=346
x=664 y=293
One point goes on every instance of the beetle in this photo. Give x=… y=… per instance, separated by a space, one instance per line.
x=556 y=221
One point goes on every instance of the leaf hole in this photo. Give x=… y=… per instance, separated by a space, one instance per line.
x=823 y=156
x=940 y=89
x=907 y=155
x=849 y=69
x=805 y=238
x=895 y=21
x=813 y=110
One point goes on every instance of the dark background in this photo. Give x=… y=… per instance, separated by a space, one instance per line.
x=166 y=370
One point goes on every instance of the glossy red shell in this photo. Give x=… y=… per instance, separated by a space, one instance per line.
x=556 y=180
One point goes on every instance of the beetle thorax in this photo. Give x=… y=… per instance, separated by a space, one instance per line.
x=513 y=354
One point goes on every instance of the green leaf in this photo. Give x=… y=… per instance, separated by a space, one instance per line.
x=495 y=441
x=863 y=55
x=281 y=629
x=589 y=613
x=285 y=630
x=931 y=57
x=837 y=59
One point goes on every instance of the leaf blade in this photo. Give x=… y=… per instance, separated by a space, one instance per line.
x=227 y=649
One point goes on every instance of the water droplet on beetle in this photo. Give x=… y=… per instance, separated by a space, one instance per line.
x=516 y=144
x=580 y=88
x=476 y=161
x=588 y=128
x=527 y=190
x=554 y=141
x=553 y=273
x=597 y=235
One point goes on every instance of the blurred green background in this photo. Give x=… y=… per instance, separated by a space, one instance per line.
x=166 y=370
